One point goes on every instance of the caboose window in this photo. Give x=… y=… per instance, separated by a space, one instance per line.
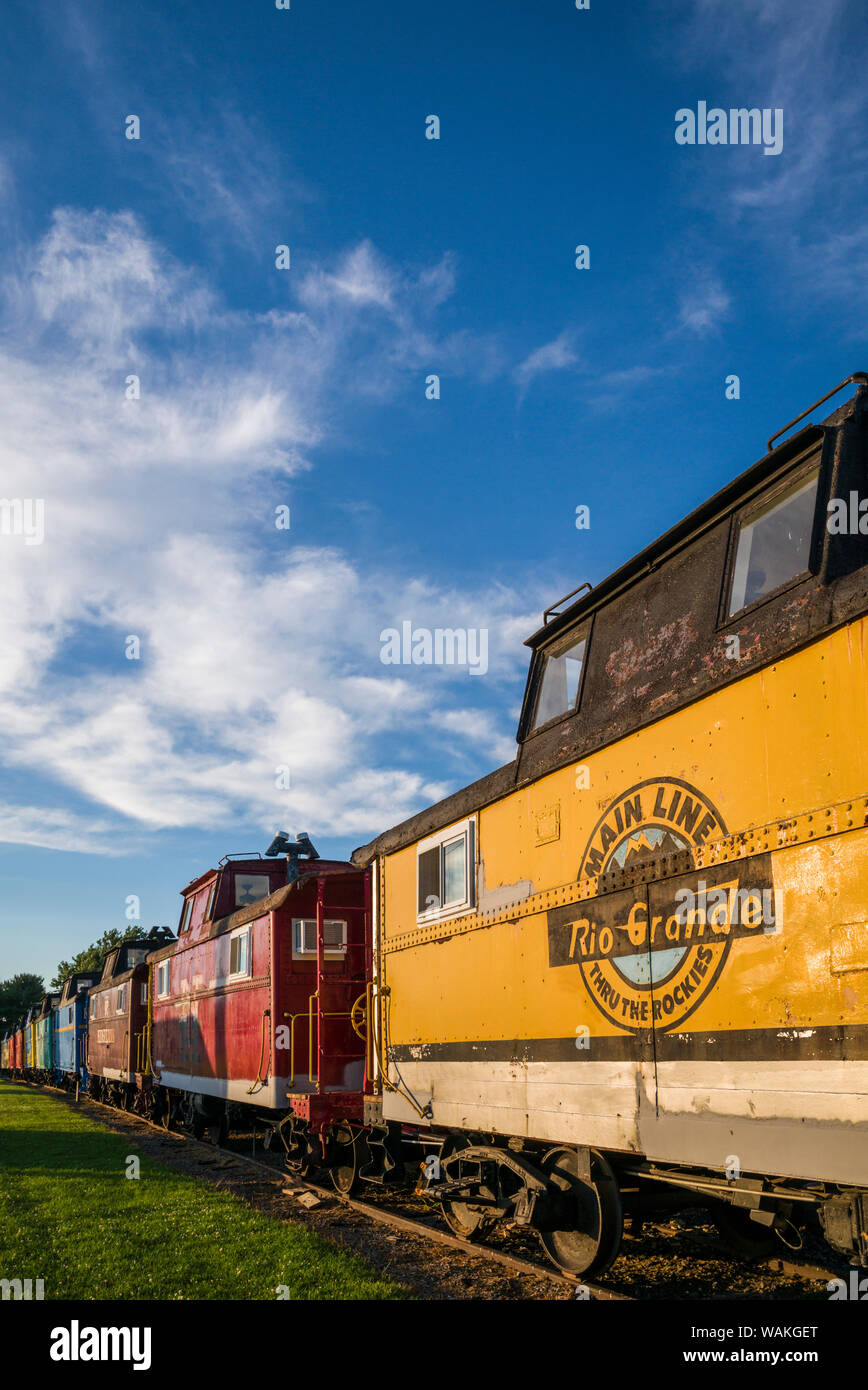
x=558 y=689
x=444 y=872
x=774 y=543
x=210 y=904
x=239 y=953
x=185 y=916
x=163 y=979
x=249 y=888
x=121 y=1006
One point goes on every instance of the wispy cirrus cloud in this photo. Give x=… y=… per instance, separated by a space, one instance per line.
x=806 y=59
x=553 y=356
x=703 y=306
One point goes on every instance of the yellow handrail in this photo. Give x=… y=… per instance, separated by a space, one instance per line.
x=310 y=1038
x=292 y=1018
x=338 y=1013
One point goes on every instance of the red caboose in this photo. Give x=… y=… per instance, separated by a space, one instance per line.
x=262 y=1000
x=117 y=1022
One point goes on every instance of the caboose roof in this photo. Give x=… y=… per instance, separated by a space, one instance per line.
x=320 y=868
x=502 y=781
x=692 y=525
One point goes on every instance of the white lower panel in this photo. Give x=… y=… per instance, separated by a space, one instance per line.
x=807 y=1120
x=113 y=1074
x=553 y=1101
x=272 y=1096
x=802 y=1120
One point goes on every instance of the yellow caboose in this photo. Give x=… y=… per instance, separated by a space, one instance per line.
x=631 y=967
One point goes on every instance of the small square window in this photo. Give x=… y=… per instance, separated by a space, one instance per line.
x=239 y=953
x=774 y=544
x=249 y=888
x=558 y=689
x=444 y=873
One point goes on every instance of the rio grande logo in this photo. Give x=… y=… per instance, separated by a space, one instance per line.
x=648 y=955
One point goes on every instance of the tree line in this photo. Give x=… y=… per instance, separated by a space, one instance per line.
x=23 y=990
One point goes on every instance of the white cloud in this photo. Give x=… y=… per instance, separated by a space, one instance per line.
x=47 y=828
x=362 y=278
x=551 y=357
x=252 y=659
x=703 y=306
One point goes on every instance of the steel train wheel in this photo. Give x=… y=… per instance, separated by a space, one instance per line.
x=591 y=1240
x=350 y=1154
x=469 y=1220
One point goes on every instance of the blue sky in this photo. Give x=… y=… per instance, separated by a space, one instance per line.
x=260 y=648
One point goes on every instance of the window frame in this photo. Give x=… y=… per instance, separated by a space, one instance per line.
x=212 y=897
x=765 y=499
x=186 y=914
x=233 y=975
x=163 y=993
x=330 y=952
x=235 y=877
x=121 y=1001
x=467 y=829
x=569 y=637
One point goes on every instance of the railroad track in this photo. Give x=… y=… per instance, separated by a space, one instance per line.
x=380 y=1214
x=400 y=1222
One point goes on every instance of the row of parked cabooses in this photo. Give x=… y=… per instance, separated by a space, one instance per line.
x=49 y=1043
x=53 y=1044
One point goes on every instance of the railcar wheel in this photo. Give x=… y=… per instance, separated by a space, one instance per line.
x=350 y=1153
x=469 y=1220
x=591 y=1237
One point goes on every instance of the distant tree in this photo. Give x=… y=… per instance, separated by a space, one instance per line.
x=94 y=957
x=17 y=995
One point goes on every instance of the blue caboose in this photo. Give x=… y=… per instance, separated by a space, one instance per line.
x=70 y=1030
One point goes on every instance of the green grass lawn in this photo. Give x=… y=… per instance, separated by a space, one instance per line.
x=70 y=1216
